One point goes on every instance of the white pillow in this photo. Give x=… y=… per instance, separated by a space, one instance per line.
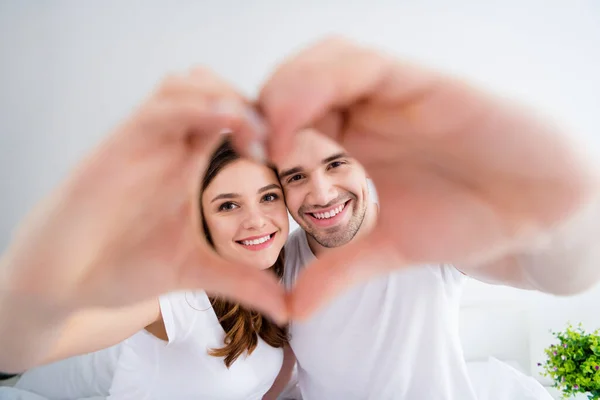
x=77 y=377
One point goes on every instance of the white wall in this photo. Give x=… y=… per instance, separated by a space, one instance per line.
x=69 y=70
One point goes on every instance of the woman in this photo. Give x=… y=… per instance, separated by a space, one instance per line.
x=206 y=347
x=190 y=344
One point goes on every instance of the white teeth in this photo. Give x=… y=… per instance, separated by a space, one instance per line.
x=254 y=242
x=330 y=213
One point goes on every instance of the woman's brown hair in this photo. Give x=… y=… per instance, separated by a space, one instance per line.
x=242 y=326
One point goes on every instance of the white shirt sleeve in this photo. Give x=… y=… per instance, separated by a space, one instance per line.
x=453 y=280
x=179 y=312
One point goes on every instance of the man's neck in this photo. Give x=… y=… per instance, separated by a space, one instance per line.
x=365 y=228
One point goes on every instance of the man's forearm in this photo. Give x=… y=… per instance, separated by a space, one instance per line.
x=568 y=262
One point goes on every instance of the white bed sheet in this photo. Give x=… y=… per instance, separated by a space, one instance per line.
x=87 y=376
x=491 y=379
x=13 y=393
x=497 y=380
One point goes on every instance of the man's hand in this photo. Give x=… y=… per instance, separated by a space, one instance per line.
x=461 y=177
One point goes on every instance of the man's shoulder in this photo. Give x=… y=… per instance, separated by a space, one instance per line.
x=294 y=241
x=295 y=250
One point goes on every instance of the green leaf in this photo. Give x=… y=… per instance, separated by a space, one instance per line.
x=581 y=352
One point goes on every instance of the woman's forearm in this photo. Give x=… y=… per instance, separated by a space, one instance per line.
x=28 y=330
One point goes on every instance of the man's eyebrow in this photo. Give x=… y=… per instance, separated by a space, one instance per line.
x=296 y=170
x=288 y=172
x=334 y=157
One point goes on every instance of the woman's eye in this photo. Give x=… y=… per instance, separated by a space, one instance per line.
x=270 y=197
x=228 y=206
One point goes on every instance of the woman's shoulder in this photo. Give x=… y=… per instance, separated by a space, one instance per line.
x=182 y=311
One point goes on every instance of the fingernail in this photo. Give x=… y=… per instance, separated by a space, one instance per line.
x=256 y=150
x=256 y=121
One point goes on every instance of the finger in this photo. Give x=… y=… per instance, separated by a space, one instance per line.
x=183 y=120
x=331 y=125
x=333 y=74
x=256 y=289
x=336 y=272
x=166 y=126
x=205 y=87
x=249 y=137
x=199 y=82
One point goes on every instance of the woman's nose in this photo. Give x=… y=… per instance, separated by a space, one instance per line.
x=255 y=220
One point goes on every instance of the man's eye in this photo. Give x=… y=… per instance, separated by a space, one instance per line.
x=228 y=206
x=294 y=178
x=336 y=164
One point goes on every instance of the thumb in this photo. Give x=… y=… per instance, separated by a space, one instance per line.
x=337 y=271
x=255 y=289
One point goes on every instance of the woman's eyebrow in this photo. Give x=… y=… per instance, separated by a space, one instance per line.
x=269 y=187
x=225 y=196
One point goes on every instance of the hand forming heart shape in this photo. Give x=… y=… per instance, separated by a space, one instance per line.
x=462 y=177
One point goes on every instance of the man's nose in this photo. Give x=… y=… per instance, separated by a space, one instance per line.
x=322 y=191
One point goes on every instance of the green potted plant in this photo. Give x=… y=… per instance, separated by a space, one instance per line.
x=573 y=362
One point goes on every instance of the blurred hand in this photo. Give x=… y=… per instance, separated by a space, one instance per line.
x=124 y=227
x=461 y=177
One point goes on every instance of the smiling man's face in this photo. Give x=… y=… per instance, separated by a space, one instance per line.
x=326 y=190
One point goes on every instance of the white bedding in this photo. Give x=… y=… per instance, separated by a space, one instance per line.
x=12 y=393
x=496 y=380
x=492 y=380
x=87 y=376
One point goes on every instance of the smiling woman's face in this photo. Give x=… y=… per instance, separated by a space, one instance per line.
x=245 y=214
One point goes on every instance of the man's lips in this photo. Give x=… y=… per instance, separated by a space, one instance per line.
x=329 y=216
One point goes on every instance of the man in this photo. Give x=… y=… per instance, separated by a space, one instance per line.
x=396 y=336
x=461 y=178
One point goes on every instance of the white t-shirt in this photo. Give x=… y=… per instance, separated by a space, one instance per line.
x=394 y=337
x=150 y=368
